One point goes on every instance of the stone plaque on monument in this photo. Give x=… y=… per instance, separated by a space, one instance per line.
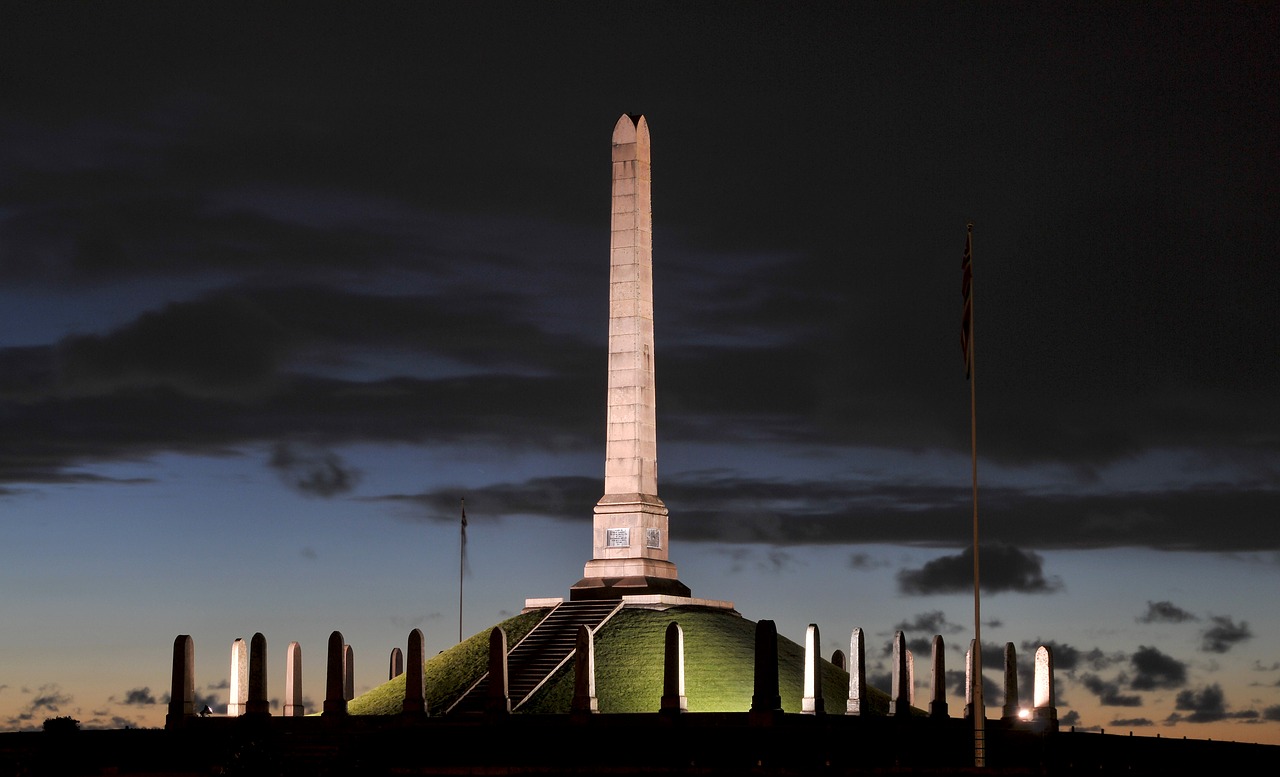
x=619 y=538
x=653 y=538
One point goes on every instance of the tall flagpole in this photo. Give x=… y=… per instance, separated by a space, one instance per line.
x=967 y=343
x=462 y=561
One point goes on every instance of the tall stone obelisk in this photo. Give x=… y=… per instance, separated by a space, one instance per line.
x=630 y=527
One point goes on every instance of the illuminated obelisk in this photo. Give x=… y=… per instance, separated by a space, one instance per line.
x=630 y=527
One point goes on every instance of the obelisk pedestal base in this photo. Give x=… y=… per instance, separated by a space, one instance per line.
x=614 y=579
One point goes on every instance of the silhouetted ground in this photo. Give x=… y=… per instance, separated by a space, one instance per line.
x=710 y=744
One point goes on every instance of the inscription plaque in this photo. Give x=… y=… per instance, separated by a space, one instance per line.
x=653 y=538
x=618 y=538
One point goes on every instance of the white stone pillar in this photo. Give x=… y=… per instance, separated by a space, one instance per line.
x=238 y=694
x=293 y=682
x=811 y=701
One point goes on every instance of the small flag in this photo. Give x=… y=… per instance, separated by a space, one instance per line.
x=464 y=526
x=966 y=316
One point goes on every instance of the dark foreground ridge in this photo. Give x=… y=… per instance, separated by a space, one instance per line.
x=709 y=744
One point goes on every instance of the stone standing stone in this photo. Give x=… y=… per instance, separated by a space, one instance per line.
x=899 y=692
x=348 y=672
x=293 y=681
x=415 y=702
x=630 y=541
x=811 y=702
x=857 y=674
x=335 y=700
x=182 y=686
x=239 y=692
x=1045 y=713
x=396 y=664
x=969 y=680
x=911 y=678
x=839 y=661
x=584 y=674
x=938 y=680
x=673 y=698
x=258 y=703
x=1010 y=711
x=499 y=698
x=766 y=698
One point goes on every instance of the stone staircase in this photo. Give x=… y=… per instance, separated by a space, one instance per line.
x=540 y=653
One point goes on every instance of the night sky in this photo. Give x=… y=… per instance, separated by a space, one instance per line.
x=279 y=287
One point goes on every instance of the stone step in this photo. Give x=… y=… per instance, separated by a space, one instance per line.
x=542 y=650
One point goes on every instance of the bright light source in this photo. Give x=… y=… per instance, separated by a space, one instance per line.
x=1024 y=713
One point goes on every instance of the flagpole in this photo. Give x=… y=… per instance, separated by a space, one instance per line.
x=979 y=706
x=462 y=561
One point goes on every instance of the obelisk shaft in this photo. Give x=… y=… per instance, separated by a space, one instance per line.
x=631 y=453
x=630 y=525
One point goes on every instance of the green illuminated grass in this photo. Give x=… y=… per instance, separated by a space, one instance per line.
x=448 y=674
x=719 y=652
x=719 y=666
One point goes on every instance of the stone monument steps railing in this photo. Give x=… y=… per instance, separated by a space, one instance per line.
x=543 y=650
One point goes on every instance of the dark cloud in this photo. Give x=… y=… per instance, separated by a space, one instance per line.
x=1108 y=692
x=933 y=622
x=219 y=347
x=1224 y=634
x=311 y=470
x=328 y=412
x=865 y=561
x=555 y=497
x=737 y=509
x=1271 y=713
x=1207 y=705
x=49 y=698
x=139 y=696
x=762 y=560
x=1131 y=722
x=1004 y=568
x=1164 y=612
x=237 y=343
x=207 y=168
x=1072 y=718
x=780 y=560
x=163 y=383
x=1098 y=660
x=1153 y=670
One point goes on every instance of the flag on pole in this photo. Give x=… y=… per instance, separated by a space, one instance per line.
x=966 y=316
x=463 y=530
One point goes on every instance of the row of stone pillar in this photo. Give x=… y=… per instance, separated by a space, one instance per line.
x=902 y=691
x=250 y=698
x=248 y=681
x=766 y=697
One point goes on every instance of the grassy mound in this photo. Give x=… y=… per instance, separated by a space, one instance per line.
x=448 y=674
x=719 y=666
x=719 y=652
